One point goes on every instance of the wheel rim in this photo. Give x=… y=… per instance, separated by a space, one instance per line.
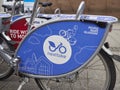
x=4 y=67
x=95 y=76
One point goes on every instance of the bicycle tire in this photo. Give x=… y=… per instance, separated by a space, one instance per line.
x=61 y=83
x=5 y=70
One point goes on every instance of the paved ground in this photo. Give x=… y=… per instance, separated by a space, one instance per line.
x=114 y=41
x=13 y=82
x=113 y=38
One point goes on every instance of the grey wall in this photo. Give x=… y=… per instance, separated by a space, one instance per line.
x=1 y=9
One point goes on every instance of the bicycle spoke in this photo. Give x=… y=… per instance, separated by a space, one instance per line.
x=94 y=76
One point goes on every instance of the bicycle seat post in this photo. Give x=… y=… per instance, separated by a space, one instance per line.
x=13 y=8
x=33 y=14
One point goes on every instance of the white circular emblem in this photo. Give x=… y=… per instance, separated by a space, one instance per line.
x=57 y=49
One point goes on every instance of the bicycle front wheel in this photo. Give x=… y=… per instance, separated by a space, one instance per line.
x=5 y=70
x=99 y=74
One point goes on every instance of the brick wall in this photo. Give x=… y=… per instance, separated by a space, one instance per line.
x=103 y=7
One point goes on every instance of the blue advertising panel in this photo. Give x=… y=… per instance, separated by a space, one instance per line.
x=59 y=47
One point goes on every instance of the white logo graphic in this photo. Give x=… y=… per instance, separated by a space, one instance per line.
x=57 y=49
x=92 y=30
x=70 y=34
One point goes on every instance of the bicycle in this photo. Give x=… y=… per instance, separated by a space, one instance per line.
x=11 y=35
x=18 y=29
x=37 y=62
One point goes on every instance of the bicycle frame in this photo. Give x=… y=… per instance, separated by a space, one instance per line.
x=45 y=45
x=20 y=25
x=88 y=19
x=85 y=18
